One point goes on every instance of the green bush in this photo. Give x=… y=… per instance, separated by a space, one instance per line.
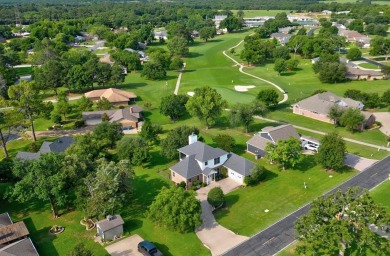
x=78 y=123
x=215 y=197
x=56 y=118
x=256 y=175
x=182 y=184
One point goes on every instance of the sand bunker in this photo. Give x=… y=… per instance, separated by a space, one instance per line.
x=243 y=88
x=191 y=94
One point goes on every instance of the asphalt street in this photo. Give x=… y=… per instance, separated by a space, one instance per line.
x=276 y=237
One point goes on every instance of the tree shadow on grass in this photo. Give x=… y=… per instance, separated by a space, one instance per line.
x=130 y=86
x=290 y=73
x=268 y=175
x=307 y=163
x=163 y=248
x=224 y=211
x=194 y=55
x=41 y=238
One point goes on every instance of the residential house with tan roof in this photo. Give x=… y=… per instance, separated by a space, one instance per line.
x=129 y=117
x=355 y=37
x=115 y=96
x=203 y=163
x=318 y=106
x=257 y=144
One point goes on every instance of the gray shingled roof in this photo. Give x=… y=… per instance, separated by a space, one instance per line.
x=23 y=247
x=5 y=219
x=202 y=151
x=363 y=72
x=322 y=102
x=115 y=114
x=239 y=164
x=281 y=132
x=187 y=167
x=258 y=142
x=57 y=146
x=105 y=224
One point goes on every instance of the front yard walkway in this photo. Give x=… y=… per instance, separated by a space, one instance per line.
x=384 y=118
x=215 y=237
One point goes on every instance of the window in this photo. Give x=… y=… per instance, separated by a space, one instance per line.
x=205 y=163
x=173 y=174
x=216 y=160
x=189 y=180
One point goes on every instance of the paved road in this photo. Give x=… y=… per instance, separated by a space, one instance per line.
x=276 y=237
x=241 y=69
x=179 y=80
x=323 y=133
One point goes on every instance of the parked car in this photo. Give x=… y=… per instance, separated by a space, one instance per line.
x=311 y=147
x=148 y=249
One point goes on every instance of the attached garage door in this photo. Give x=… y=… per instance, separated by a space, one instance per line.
x=236 y=176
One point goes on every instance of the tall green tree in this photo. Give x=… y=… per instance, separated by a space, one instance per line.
x=108 y=133
x=49 y=75
x=352 y=118
x=225 y=142
x=335 y=113
x=280 y=66
x=149 y=131
x=268 y=96
x=231 y=23
x=63 y=106
x=41 y=179
x=108 y=189
x=331 y=151
x=342 y=225
x=380 y=46
x=286 y=152
x=176 y=209
x=154 y=71
x=9 y=120
x=77 y=79
x=242 y=114
x=207 y=104
x=207 y=33
x=173 y=106
x=175 y=139
x=178 y=46
x=27 y=99
x=354 y=54
x=134 y=150
x=103 y=104
x=84 y=104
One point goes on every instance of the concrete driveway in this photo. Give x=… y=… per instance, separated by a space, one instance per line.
x=125 y=247
x=357 y=162
x=213 y=236
x=384 y=118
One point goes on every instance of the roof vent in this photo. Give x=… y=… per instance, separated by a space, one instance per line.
x=110 y=217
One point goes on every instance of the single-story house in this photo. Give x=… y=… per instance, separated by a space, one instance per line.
x=129 y=117
x=106 y=59
x=14 y=239
x=281 y=37
x=318 y=106
x=257 y=144
x=201 y=162
x=57 y=146
x=110 y=228
x=355 y=37
x=355 y=73
x=115 y=96
x=160 y=34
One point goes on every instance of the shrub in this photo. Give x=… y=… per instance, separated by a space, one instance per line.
x=182 y=185
x=223 y=172
x=256 y=175
x=215 y=197
x=56 y=118
x=33 y=147
x=78 y=123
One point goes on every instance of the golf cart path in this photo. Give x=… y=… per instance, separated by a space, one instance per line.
x=241 y=69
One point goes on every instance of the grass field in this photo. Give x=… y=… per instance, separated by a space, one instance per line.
x=281 y=193
x=23 y=71
x=256 y=13
x=369 y=65
x=354 y=1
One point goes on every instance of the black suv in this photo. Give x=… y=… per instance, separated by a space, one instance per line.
x=148 y=249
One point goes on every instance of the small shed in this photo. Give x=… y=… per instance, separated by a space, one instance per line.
x=110 y=228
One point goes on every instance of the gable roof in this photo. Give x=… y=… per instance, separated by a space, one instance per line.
x=258 y=142
x=187 y=167
x=57 y=146
x=281 y=132
x=363 y=72
x=23 y=247
x=202 y=151
x=322 y=102
x=115 y=221
x=132 y=113
x=111 y=94
x=13 y=232
x=5 y=219
x=239 y=164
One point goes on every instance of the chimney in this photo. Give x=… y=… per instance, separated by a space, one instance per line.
x=109 y=217
x=192 y=138
x=131 y=110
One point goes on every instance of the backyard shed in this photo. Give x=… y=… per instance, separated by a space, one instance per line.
x=110 y=228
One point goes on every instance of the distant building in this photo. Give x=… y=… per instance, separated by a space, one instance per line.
x=218 y=19
x=160 y=34
x=110 y=228
x=281 y=37
x=115 y=96
x=355 y=37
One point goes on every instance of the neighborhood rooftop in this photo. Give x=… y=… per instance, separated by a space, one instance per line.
x=110 y=222
x=202 y=151
x=111 y=94
x=239 y=164
x=24 y=247
x=13 y=232
x=281 y=132
x=188 y=167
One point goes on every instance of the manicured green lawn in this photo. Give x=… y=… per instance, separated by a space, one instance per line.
x=381 y=195
x=23 y=71
x=281 y=193
x=368 y=65
x=255 y=13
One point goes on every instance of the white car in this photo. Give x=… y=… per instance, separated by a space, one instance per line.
x=311 y=147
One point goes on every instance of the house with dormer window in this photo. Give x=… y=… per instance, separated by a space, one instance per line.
x=201 y=162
